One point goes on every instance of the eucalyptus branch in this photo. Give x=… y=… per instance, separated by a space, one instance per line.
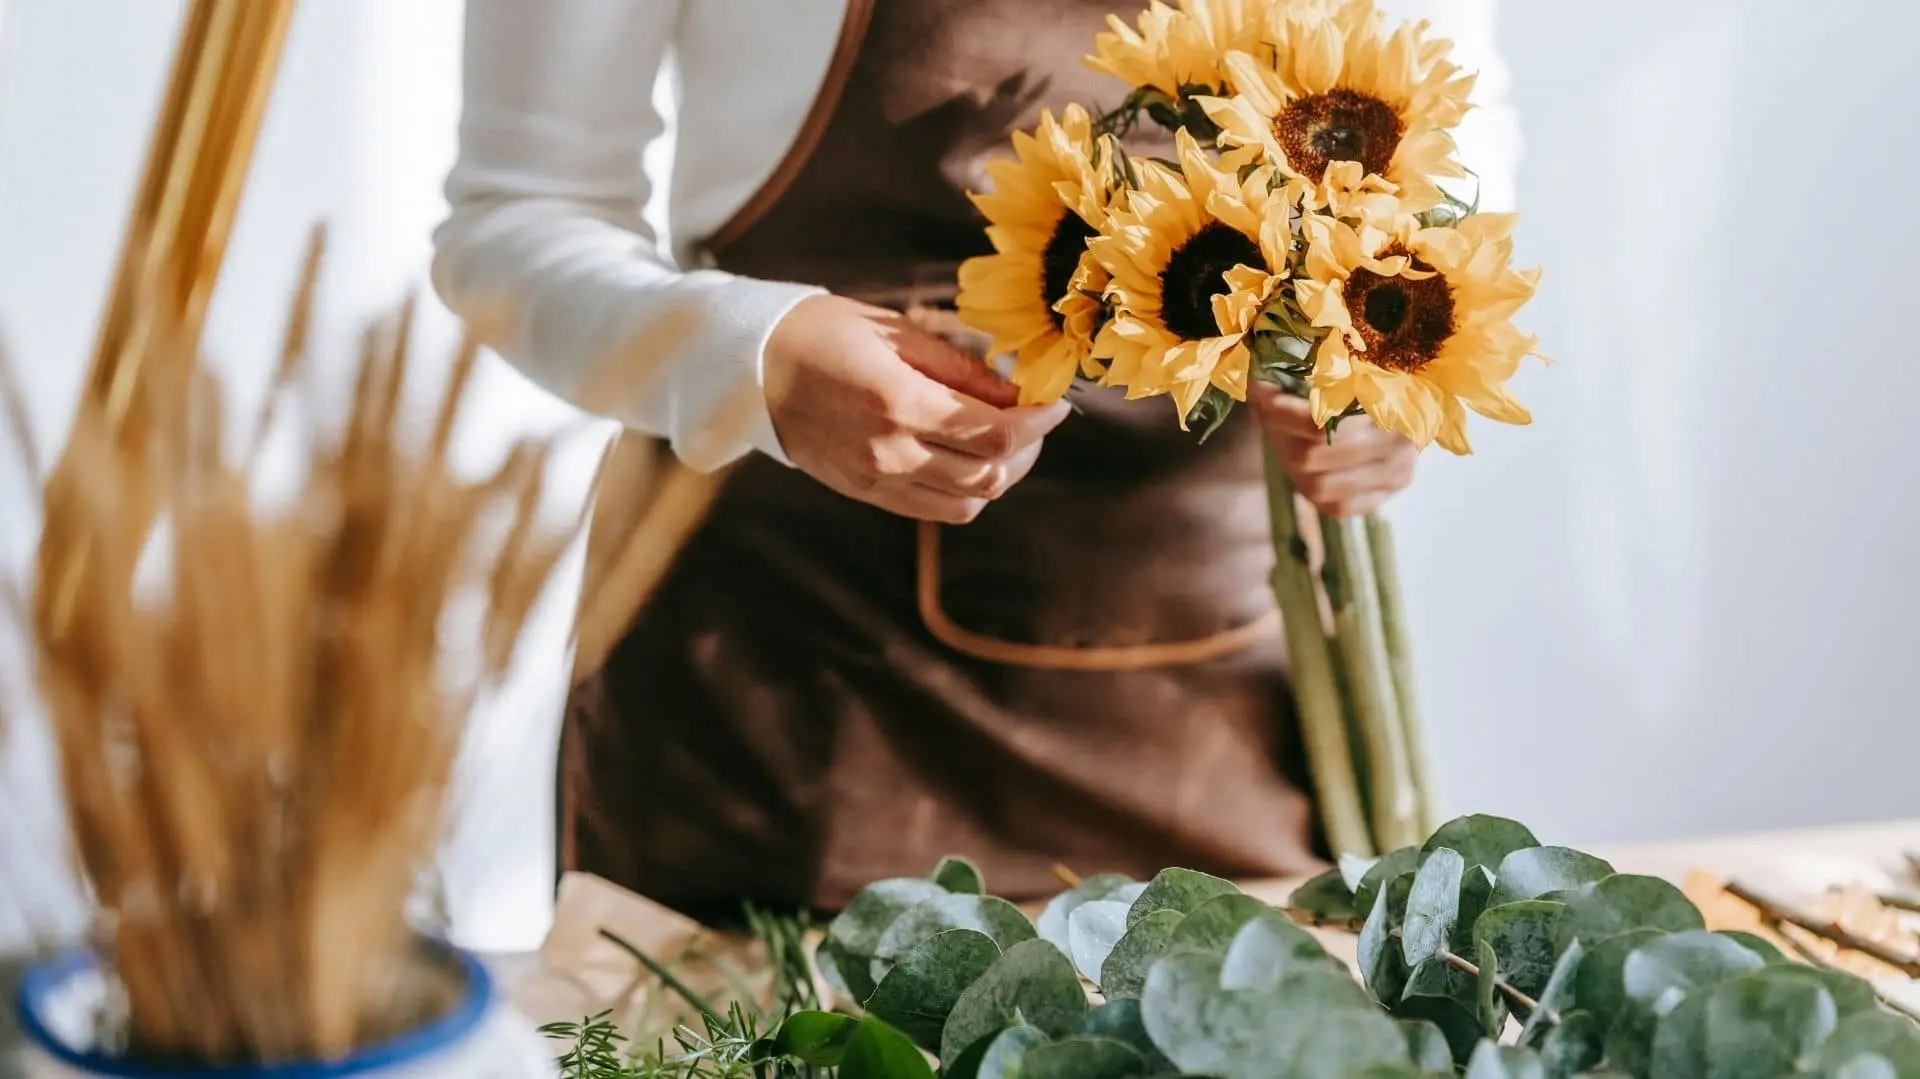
x=1458 y=962
x=1824 y=928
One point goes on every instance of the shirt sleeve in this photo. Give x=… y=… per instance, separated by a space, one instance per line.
x=546 y=242
x=1489 y=138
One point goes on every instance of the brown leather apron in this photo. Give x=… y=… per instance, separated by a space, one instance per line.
x=820 y=694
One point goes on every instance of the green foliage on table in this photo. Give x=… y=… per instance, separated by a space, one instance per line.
x=1481 y=953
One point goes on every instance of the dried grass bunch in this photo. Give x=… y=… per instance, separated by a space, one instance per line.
x=255 y=727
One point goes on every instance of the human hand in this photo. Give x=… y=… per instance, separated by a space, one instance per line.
x=1352 y=475
x=888 y=414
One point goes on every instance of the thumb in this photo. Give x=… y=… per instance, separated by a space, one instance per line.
x=956 y=369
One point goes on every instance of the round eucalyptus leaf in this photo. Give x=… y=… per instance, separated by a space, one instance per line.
x=1428 y=1046
x=1004 y=1052
x=1852 y=994
x=1033 y=982
x=1573 y=1045
x=1380 y=963
x=1124 y=974
x=1892 y=1038
x=997 y=918
x=1082 y=1057
x=1754 y=1023
x=1178 y=889
x=1457 y=1022
x=1481 y=839
x=1494 y=1061
x=1623 y=902
x=1303 y=1029
x=877 y=1051
x=918 y=993
x=1267 y=949
x=1534 y=871
x=959 y=876
x=1121 y=1021
x=1092 y=931
x=1558 y=994
x=1488 y=1004
x=1476 y=895
x=1598 y=985
x=1386 y=869
x=1352 y=868
x=1433 y=905
x=1758 y=945
x=1326 y=899
x=817 y=1038
x=1213 y=925
x=1052 y=923
x=1523 y=936
x=859 y=927
x=1660 y=973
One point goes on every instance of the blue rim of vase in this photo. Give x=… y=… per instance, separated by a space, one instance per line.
x=45 y=978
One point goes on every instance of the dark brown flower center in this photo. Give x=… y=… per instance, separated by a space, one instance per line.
x=1196 y=273
x=1339 y=125
x=1402 y=320
x=1061 y=258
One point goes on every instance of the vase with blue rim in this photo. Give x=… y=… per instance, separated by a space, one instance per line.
x=73 y=1030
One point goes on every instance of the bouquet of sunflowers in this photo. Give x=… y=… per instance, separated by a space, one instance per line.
x=1300 y=236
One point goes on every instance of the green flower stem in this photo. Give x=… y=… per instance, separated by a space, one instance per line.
x=1362 y=646
x=1393 y=620
x=1316 y=692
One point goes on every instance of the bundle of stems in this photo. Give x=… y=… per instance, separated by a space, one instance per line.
x=254 y=725
x=1352 y=675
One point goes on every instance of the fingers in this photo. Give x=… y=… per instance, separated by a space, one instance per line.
x=1357 y=491
x=965 y=476
x=1350 y=474
x=955 y=368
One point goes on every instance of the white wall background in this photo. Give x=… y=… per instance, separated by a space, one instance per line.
x=1677 y=605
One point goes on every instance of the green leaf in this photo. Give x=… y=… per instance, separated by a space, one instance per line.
x=1326 y=898
x=1753 y=1024
x=877 y=1051
x=1082 y=1058
x=1457 y=1022
x=1124 y=974
x=1523 y=935
x=1449 y=998
x=1534 y=871
x=1052 y=923
x=1890 y=1037
x=1382 y=872
x=817 y=1038
x=1557 y=994
x=1609 y=907
x=1476 y=895
x=1758 y=945
x=1213 y=925
x=853 y=937
x=1427 y=1045
x=959 y=876
x=1178 y=889
x=1121 y=1021
x=1092 y=931
x=995 y=917
x=1268 y=949
x=1032 y=983
x=1005 y=1050
x=1660 y=973
x=1433 y=905
x=1494 y=1061
x=1851 y=994
x=920 y=991
x=1481 y=839
x=1353 y=869
x=1305 y=1029
x=1487 y=1002
x=1382 y=966
x=1598 y=985
x=1864 y=1066
x=1573 y=1045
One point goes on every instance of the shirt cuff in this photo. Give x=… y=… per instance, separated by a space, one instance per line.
x=731 y=362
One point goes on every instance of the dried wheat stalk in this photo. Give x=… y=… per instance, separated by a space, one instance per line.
x=256 y=752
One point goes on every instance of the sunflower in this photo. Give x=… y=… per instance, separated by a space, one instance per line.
x=1194 y=254
x=1179 y=51
x=1038 y=294
x=1341 y=87
x=1419 y=321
